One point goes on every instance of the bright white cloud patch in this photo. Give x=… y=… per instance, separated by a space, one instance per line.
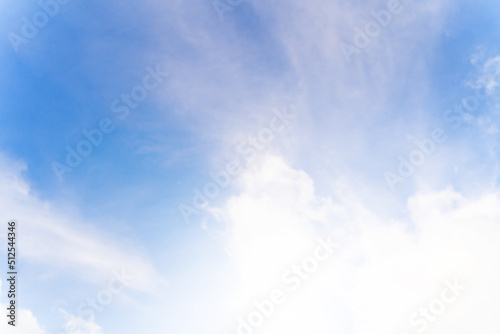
x=271 y=223
x=385 y=275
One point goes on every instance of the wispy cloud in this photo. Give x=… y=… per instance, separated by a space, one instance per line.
x=67 y=242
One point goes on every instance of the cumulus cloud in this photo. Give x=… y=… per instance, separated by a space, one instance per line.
x=384 y=272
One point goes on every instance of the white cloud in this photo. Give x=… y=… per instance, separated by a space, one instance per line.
x=77 y=325
x=383 y=272
x=489 y=75
x=51 y=236
x=26 y=322
x=227 y=89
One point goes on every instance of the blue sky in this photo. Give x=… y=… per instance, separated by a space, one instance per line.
x=335 y=128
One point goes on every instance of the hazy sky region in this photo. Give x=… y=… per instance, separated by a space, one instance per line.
x=241 y=167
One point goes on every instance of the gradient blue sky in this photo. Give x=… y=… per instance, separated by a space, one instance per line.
x=325 y=171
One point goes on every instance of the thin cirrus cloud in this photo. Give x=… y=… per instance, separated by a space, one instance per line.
x=59 y=240
x=64 y=245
